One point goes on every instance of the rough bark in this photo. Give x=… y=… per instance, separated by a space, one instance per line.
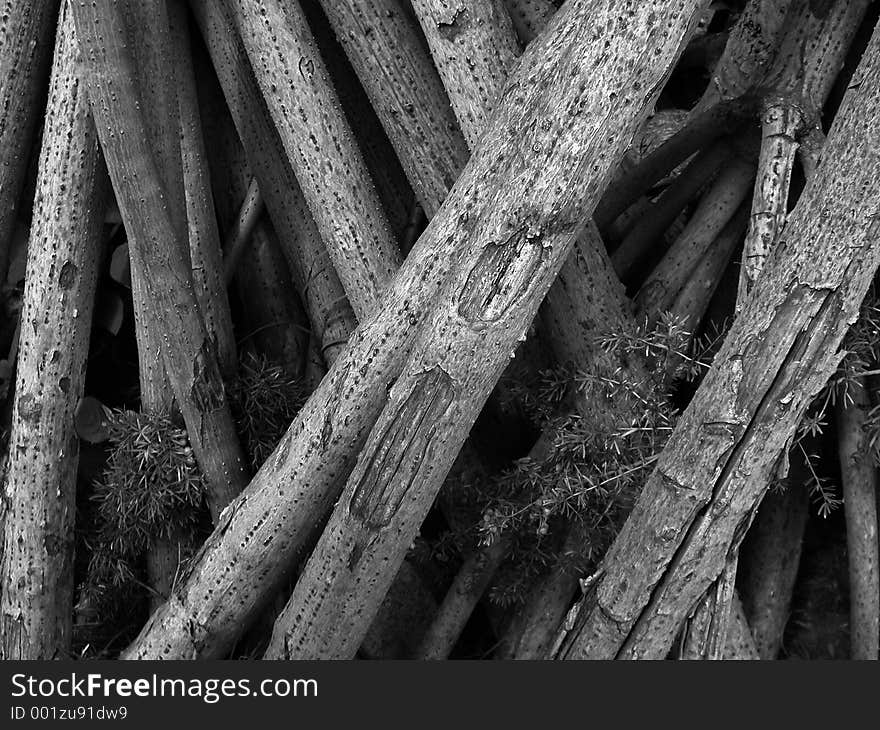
x=859 y=478
x=314 y=275
x=404 y=89
x=304 y=477
x=186 y=346
x=811 y=53
x=319 y=143
x=487 y=304
x=751 y=48
x=36 y=574
x=204 y=237
x=779 y=352
x=27 y=30
x=147 y=32
x=473 y=45
x=705 y=632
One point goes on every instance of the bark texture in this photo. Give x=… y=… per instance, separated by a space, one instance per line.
x=204 y=237
x=320 y=146
x=186 y=346
x=779 y=352
x=473 y=46
x=36 y=573
x=26 y=33
x=302 y=479
x=314 y=275
x=487 y=304
x=859 y=477
x=390 y=60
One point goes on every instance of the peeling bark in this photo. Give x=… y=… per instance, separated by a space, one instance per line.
x=36 y=574
x=186 y=346
x=778 y=354
x=486 y=306
x=473 y=46
x=270 y=524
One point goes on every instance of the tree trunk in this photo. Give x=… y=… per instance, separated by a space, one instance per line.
x=36 y=574
x=404 y=89
x=320 y=146
x=319 y=450
x=778 y=354
x=186 y=346
x=314 y=275
x=474 y=46
x=859 y=477
x=26 y=33
x=204 y=237
x=486 y=306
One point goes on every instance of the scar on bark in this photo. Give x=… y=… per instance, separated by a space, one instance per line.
x=404 y=444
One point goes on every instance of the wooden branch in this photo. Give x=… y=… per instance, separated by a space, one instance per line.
x=320 y=146
x=717 y=207
x=468 y=587
x=204 y=237
x=781 y=123
x=469 y=42
x=769 y=560
x=859 y=478
x=389 y=58
x=812 y=51
x=751 y=48
x=693 y=300
x=439 y=394
x=659 y=215
x=36 y=574
x=186 y=345
x=242 y=228
x=315 y=277
x=26 y=33
x=319 y=449
x=779 y=352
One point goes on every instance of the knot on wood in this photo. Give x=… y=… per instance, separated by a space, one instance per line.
x=405 y=444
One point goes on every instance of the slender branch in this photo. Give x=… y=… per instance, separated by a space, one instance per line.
x=859 y=478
